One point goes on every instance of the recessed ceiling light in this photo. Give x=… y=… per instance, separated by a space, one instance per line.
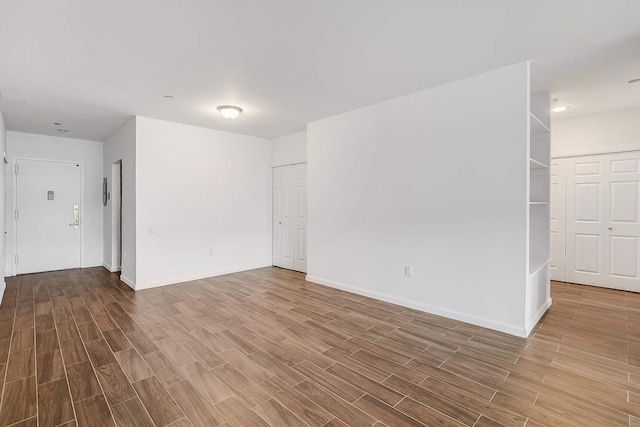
x=63 y=130
x=634 y=81
x=58 y=124
x=168 y=97
x=560 y=109
x=229 y=111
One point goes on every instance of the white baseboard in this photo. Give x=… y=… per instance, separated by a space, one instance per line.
x=128 y=281
x=111 y=269
x=172 y=281
x=3 y=286
x=536 y=318
x=439 y=311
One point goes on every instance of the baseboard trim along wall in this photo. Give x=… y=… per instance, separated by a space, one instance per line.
x=536 y=318
x=485 y=323
x=128 y=282
x=176 y=280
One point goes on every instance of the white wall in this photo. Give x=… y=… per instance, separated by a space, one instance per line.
x=89 y=153
x=3 y=227
x=289 y=149
x=435 y=180
x=597 y=133
x=122 y=146
x=203 y=202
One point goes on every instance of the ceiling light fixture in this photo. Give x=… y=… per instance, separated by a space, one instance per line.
x=58 y=124
x=560 y=109
x=634 y=81
x=229 y=111
x=168 y=97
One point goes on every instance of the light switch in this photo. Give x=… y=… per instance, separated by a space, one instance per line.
x=50 y=195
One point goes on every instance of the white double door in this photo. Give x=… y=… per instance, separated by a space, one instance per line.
x=47 y=215
x=290 y=217
x=602 y=220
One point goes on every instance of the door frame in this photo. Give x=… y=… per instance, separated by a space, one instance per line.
x=573 y=156
x=15 y=204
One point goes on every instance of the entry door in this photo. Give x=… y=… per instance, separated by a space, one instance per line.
x=557 y=224
x=48 y=198
x=603 y=224
x=290 y=217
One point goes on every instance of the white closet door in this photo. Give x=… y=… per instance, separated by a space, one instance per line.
x=290 y=217
x=301 y=217
x=603 y=224
x=557 y=208
x=277 y=217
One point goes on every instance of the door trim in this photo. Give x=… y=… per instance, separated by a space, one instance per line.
x=14 y=202
x=594 y=154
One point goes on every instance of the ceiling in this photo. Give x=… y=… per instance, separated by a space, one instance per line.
x=91 y=65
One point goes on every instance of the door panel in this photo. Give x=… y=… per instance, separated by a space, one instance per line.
x=603 y=221
x=290 y=217
x=277 y=217
x=47 y=237
x=557 y=211
x=301 y=217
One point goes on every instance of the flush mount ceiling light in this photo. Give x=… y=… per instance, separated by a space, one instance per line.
x=229 y=111
x=560 y=109
x=634 y=81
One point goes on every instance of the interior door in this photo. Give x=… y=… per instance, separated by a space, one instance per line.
x=47 y=217
x=603 y=224
x=557 y=208
x=300 y=261
x=290 y=217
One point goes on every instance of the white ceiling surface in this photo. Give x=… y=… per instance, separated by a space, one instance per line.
x=92 y=64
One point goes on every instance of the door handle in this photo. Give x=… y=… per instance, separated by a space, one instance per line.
x=76 y=217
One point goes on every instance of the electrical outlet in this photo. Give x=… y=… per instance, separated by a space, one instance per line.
x=408 y=271
x=152 y=229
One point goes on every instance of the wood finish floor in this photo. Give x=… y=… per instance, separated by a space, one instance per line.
x=265 y=347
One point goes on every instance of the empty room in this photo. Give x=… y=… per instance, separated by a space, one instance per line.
x=320 y=213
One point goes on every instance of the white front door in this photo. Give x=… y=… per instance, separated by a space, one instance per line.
x=47 y=217
x=603 y=221
x=290 y=217
x=557 y=207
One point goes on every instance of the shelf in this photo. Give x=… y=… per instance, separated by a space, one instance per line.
x=537 y=127
x=537 y=263
x=538 y=203
x=534 y=164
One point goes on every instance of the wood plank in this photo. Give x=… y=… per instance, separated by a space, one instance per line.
x=116 y=340
x=73 y=351
x=133 y=365
x=82 y=381
x=99 y=352
x=21 y=364
x=161 y=407
x=19 y=401
x=131 y=413
x=194 y=404
x=114 y=383
x=94 y=411
x=54 y=404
